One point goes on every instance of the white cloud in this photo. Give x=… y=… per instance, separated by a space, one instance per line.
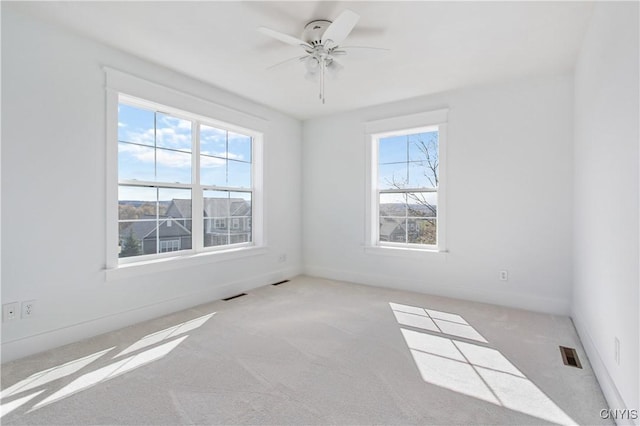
x=173 y=159
x=175 y=122
x=163 y=157
x=212 y=162
x=144 y=137
x=177 y=135
x=168 y=158
x=166 y=136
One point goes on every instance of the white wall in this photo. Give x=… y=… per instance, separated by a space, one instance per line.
x=605 y=294
x=509 y=197
x=53 y=189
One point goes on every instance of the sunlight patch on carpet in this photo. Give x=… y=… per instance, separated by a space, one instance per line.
x=469 y=366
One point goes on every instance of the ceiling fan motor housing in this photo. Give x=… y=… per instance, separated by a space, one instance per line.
x=314 y=30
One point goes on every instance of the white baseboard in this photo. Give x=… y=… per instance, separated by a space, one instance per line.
x=510 y=299
x=33 y=344
x=608 y=386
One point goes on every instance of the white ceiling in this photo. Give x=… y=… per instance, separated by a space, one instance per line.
x=435 y=46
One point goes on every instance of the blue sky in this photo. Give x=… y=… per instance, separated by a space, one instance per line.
x=157 y=147
x=401 y=161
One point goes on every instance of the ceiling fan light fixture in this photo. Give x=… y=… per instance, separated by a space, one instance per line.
x=312 y=64
x=333 y=68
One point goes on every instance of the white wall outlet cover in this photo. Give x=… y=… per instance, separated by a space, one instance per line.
x=28 y=309
x=10 y=311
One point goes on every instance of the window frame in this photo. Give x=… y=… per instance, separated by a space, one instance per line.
x=196 y=187
x=396 y=126
x=146 y=94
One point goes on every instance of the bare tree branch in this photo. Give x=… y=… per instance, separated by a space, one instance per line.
x=429 y=150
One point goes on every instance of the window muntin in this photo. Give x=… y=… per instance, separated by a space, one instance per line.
x=167 y=163
x=406 y=187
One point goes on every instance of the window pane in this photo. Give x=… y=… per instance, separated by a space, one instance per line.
x=136 y=125
x=408 y=161
x=213 y=171
x=240 y=203
x=423 y=157
x=137 y=211
x=172 y=132
x=422 y=175
x=392 y=150
x=136 y=202
x=240 y=217
x=423 y=147
x=174 y=228
x=173 y=166
x=392 y=229
x=238 y=174
x=136 y=162
x=392 y=176
x=216 y=215
x=422 y=204
x=393 y=205
x=174 y=202
x=422 y=231
x=213 y=141
x=137 y=238
x=239 y=147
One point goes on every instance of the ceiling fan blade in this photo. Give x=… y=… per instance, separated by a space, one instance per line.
x=286 y=38
x=341 y=27
x=361 y=52
x=286 y=61
x=381 y=49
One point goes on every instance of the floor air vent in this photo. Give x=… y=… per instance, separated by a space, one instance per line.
x=235 y=297
x=570 y=357
x=280 y=282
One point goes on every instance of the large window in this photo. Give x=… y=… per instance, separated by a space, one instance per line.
x=406 y=185
x=185 y=182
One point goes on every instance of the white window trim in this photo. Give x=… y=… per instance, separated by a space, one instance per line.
x=373 y=131
x=174 y=101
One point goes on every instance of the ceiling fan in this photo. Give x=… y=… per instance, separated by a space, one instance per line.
x=321 y=41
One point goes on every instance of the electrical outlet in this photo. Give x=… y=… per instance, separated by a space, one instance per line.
x=616 y=350
x=504 y=275
x=28 y=309
x=9 y=311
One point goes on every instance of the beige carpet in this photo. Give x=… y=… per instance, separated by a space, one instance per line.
x=314 y=351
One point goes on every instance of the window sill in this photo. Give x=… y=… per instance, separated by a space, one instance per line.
x=408 y=253
x=171 y=263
